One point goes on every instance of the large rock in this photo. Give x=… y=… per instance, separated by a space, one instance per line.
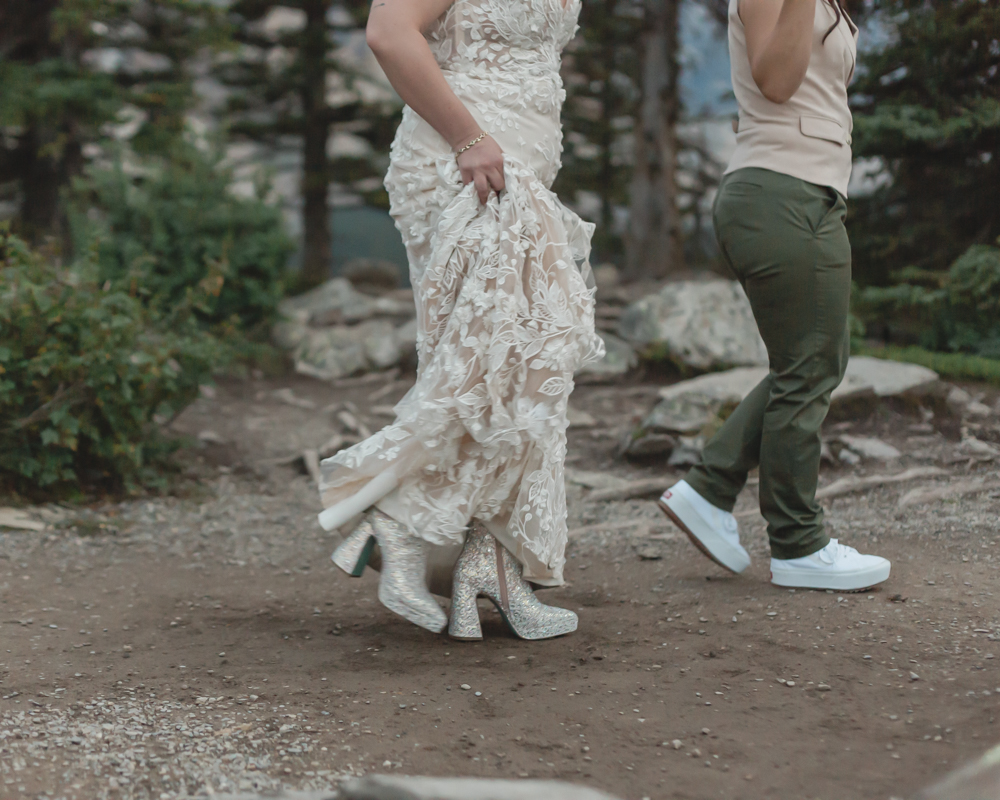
x=341 y=350
x=703 y=324
x=870 y=447
x=979 y=780
x=322 y=305
x=890 y=378
x=372 y=275
x=334 y=330
x=697 y=407
x=386 y=787
x=404 y=787
x=619 y=358
x=688 y=406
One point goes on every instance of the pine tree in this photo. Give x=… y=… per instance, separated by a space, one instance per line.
x=622 y=152
x=654 y=246
x=281 y=79
x=69 y=67
x=927 y=109
x=600 y=70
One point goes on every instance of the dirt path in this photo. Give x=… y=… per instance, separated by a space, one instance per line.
x=161 y=646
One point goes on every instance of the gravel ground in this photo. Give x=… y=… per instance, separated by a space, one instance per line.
x=201 y=643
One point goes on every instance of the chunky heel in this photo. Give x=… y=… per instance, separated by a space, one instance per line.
x=464 y=623
x=354 y=552
x=488 y=569
x=402 y=587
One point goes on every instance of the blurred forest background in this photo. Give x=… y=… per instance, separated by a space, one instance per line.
x=170 y=169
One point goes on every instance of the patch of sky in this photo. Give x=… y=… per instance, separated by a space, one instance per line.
x=706 y=86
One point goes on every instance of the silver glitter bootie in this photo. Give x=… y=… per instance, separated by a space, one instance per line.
x=401 y=587
x=354 y=552
x=487 y=569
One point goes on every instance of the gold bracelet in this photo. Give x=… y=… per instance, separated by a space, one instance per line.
x=473 y=143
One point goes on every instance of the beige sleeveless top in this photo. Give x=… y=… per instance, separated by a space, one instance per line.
x=809 y=136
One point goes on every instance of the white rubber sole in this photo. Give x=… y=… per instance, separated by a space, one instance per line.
x=701 y=534
x=854 y=581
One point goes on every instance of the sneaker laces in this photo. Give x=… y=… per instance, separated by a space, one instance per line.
x=835 y=550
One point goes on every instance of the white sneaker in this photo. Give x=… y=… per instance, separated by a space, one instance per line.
x=836 y=567
x=711 y=529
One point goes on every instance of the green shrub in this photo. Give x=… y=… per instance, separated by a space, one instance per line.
x=177 y=223
x=950 y=366
x=957 y=311
x=86 y=370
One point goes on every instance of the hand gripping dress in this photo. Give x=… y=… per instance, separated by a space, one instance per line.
x=505 y=304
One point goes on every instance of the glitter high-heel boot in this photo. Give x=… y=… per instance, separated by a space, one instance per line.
x=401 y=587
x=487 y=569
x=354 y=552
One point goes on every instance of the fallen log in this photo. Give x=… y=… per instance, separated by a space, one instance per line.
x=855 y=484
x=644 y=487
x=948 y=491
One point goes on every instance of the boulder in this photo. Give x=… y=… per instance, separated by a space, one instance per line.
x=696 y=407
x=688 y=406
x=372 y=275
x=979 y=780
x=337 y=301
x=342 y=350
x=869 y=447
x=706 y=325
x=891 y=378
x=619 y=358
x=334 y=330
x=402 y=787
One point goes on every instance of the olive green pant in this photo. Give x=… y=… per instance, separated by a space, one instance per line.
x=785 y=240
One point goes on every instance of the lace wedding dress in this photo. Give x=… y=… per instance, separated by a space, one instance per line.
x=505 y=311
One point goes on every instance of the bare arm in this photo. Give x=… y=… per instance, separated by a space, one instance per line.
x=395 y=36
x=779 y=44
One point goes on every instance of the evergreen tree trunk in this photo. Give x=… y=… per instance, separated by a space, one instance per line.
x=41 y=180
x=316 y=131
x=653 y=243
x=607 y=136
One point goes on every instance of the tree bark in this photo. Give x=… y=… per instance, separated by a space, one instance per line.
x=316 y=130
x=41 y=178
x=653 y=246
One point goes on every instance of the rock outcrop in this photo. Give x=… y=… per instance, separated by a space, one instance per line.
x=693 y=409
x=334 y=330
x=706 y=325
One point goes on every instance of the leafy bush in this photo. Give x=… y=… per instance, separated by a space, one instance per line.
x=86 y=369
x=957 y=311
x=950 y=366
x=176 y=224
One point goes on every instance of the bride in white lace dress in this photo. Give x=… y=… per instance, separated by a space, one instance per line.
x=505 y=315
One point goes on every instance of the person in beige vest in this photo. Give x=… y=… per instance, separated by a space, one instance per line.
x=779 y=218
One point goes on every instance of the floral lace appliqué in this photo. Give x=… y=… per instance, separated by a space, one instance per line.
x=505 y=313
